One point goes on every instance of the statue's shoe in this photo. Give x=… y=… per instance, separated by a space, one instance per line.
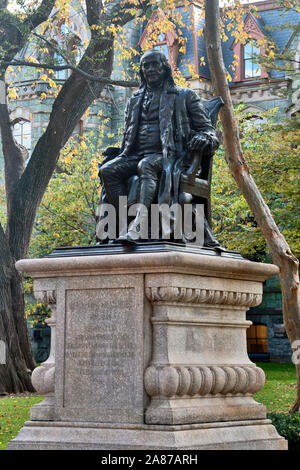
x=219 y=248
x=135 y=230
x=113 y=242
x=215 y=246
x=127 y=239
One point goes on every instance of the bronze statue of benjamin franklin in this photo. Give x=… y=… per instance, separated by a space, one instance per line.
x=163 y=125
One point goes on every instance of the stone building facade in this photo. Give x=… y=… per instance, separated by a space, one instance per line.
x=266 y=338
x=250 y=84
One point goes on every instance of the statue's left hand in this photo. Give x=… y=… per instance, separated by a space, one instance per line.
x=199 y=142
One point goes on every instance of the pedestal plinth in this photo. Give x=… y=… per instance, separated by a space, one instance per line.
x=150 y=353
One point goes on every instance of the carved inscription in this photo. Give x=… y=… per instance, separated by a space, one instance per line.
x=100 y=350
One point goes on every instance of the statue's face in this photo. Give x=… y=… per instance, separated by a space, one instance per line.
x=153 y=69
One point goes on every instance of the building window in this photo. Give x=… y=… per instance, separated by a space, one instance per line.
x=162 y=45
x=60 y=74
x=257 y=338
x=22 y=133
x=246 y=55
x=251 y=69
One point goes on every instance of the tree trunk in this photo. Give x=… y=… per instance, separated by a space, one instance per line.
x=278 y=247
x=15 y=373
x=26 y=187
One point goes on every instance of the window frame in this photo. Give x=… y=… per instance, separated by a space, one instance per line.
x=252 y=28
x=251 y=60
x=161 y=44
x=21 y=122
x=260 y=343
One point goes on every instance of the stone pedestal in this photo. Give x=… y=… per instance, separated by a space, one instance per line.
x=150 y=353
x=43 y=377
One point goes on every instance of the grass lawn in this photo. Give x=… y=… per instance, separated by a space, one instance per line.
x=14 y=411
x=279 y=391
x=277 y=395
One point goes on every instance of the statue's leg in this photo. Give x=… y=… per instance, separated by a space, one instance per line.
x=115 y=174
x=149 y=169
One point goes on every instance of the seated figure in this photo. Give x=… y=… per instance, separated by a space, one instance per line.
x=167 y=135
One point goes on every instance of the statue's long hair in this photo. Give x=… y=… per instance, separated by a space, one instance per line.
x=168 y=70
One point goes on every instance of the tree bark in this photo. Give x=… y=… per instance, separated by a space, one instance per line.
x=277 y=245
x=25 y=187
x=15 y=373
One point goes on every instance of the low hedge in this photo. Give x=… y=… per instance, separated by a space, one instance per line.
x=288 y=426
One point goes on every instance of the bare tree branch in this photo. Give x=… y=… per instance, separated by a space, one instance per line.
x=104 y=80
x=51 y=45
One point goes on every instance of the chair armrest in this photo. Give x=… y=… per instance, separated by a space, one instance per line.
x=198 y=187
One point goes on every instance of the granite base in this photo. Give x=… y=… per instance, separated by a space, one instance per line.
x=148 y=351
x=237 y=435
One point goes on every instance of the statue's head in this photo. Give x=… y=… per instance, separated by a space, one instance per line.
x=155 y=68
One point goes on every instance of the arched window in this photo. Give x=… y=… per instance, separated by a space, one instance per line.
x=162 y=45
x=22 y=133
x=246 y=55
x=251 y=68
x=257 y=338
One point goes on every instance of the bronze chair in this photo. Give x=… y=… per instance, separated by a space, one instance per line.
x=199 y=185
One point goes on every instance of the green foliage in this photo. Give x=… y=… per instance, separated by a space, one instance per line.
x=272 y=151
x=287 y=4
x=67 y=215
x=35 y=312
x=288 y=426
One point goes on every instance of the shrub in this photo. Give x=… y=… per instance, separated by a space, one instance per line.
x=288 y=426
